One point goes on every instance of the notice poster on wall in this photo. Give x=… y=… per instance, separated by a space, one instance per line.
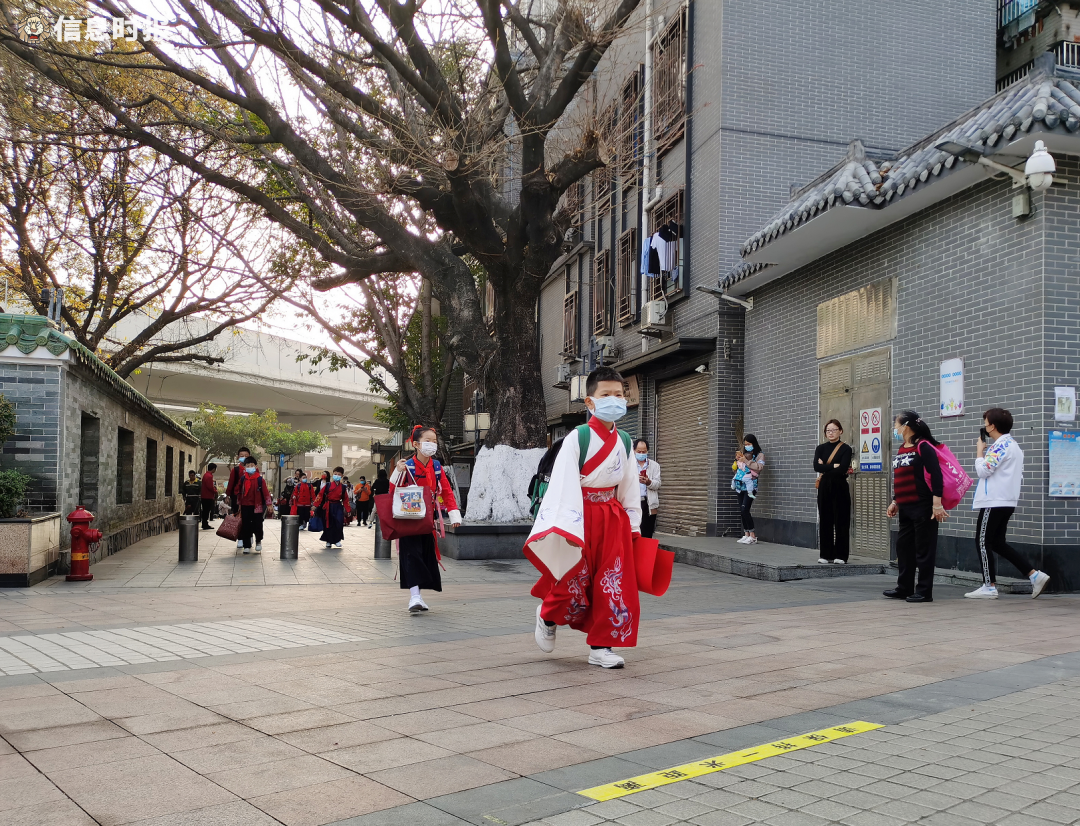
x=870 y=454
x=1065 y=404
x=1064 y=463
x=952 y=388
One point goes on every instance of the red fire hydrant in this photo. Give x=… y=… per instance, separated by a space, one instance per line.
x=82 y=536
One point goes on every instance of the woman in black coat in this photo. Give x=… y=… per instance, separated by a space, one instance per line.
x=832 y=462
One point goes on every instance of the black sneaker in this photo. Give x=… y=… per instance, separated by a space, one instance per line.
x=919 y=598
x=895 y=593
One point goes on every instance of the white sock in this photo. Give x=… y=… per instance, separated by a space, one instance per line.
x=414 y=591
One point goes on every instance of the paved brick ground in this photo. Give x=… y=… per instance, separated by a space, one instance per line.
x=455 y=717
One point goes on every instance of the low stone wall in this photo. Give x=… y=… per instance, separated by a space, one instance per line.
x=127 y=535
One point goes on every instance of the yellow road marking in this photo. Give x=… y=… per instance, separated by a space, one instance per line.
x=663 y=777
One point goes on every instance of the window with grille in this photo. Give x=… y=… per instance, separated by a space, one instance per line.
x=668 y=284
x=669 y=84
x=624 y=276
x=570 y=323
x=602 y=177
x=630 y=130
x=601 y=294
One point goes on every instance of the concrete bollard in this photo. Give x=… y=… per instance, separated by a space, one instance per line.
x=189 y=538
x=290 y=536
x=382 y=546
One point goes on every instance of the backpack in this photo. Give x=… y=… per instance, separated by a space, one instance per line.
x=954 y=480
x=538 y=485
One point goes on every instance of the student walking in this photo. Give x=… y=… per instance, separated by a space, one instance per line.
x=254 y=498
x=1000 y=468
x=649 y=479
x=235 y=477
x=832 y=462
x=192 y=490
x=208 y=495
x=748 y=464
x=418 y=556
x=333 y=500
x=302 y=497
x=364 y=501
x=582 y=541
x=918 y=505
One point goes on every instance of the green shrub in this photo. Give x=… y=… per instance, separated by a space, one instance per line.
x=13 y=485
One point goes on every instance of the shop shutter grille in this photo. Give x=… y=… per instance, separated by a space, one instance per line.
x=682 y=426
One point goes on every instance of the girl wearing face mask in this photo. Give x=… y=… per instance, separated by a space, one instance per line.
x=418 y=556
x=748 y=464
x=333 y=498
x=302 y=497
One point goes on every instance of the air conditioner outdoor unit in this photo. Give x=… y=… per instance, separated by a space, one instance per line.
x=607 y=343
x=653 y=313
x=562 y=375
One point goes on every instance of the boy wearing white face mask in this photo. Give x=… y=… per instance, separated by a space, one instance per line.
x=333 y=499
x=582 y=540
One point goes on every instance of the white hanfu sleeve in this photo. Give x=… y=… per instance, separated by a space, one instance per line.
x=629 y=491
x=558 y=534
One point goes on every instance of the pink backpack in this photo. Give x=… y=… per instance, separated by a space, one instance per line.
x=954 y=481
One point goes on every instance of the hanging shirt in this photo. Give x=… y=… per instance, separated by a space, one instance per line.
x=669 y=252
x=645 y=257
x=654 y=255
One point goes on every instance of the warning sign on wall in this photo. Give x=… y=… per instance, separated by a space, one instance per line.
x=870 y=456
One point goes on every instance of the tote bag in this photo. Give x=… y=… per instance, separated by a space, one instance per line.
x=409 y=501
x=230 y=527
x=393 y=527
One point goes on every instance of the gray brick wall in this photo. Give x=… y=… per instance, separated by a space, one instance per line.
x=969 y=285
x=1061 y=355
x=34 y=389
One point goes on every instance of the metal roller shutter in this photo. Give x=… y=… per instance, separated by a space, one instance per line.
x=682 y=426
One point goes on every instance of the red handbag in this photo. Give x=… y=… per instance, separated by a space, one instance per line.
x=653 y=566
x=230 y=527
x=396 y=528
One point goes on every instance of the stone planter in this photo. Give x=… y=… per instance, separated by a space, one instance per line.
x=486 y=540
x=29 y=549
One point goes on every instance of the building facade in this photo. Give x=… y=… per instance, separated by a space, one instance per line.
x=713 y=127
x=865 y=287
x=85 y=437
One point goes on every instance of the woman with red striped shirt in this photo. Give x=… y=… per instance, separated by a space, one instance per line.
x=918 y=505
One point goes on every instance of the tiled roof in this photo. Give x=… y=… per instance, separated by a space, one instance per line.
x=1051 y=100
x=28 y=332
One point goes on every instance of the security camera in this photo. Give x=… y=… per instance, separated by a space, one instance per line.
x=1039 y=168
x=701 y=368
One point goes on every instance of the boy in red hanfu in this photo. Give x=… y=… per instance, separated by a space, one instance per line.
x=302 y=497
x=582 y=540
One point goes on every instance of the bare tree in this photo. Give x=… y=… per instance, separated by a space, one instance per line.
x=356 y=106
x=138 y=242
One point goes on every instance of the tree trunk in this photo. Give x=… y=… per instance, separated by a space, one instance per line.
x=514 y=391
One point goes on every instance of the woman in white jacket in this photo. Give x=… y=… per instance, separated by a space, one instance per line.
x=1000 y=469
x=649 y=480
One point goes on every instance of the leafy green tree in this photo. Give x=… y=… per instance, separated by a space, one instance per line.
x=221 y=435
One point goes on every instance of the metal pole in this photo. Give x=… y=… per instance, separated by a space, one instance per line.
x=290 y=536
x=189 y=538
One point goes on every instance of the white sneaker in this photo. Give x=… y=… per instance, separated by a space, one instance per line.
x=1038 y=582
x=423 y=605
x=606 y=658
x=840 y=562
x=337 y=545
x=823 y=561
x=258 y=547
x=328 y=546
x=239 y=544
x=544 y=634
x=983 y=592
x=745 y=540
x=246 y=550
x=416 y=604
x=752 y=540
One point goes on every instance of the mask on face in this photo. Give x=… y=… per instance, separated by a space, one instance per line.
x=429 y=448
x=748 y=448
x=337 y=478
x=641 y=457
x=609 y=408
x=303 y=479
x=251 y=469
x=896 y=435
